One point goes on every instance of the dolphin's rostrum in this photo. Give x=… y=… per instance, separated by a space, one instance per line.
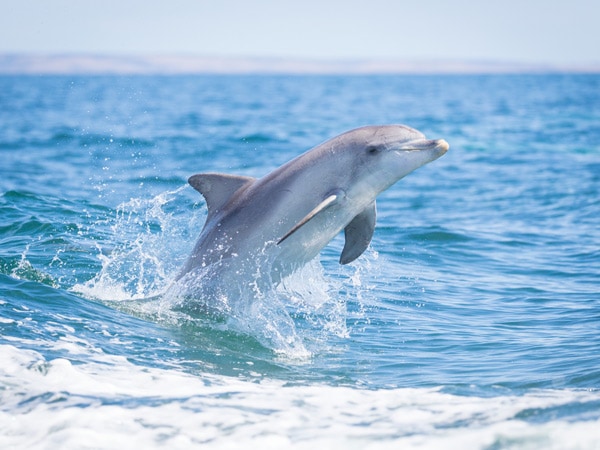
x=262 y=230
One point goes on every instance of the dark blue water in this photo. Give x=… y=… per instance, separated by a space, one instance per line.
x=474 y=317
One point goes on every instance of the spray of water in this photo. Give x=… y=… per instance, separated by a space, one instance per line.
x=145 y=239
x=150 y=240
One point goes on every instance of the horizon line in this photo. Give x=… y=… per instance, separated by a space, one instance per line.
x=21 y=63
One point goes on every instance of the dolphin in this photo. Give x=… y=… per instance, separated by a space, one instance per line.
x=262 y=230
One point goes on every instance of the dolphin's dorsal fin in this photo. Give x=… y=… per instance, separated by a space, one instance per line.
x=320 y=207
x=358 y=234
x=217 y=188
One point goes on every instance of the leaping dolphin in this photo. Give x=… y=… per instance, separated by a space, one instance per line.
x=262 y=230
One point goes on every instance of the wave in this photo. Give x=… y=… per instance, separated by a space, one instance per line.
x=22 y=269
x=58 y=403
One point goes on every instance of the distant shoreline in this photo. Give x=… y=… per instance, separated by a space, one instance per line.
x=90 y=64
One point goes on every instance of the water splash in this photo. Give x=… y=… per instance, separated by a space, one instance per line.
x=293 y=318
x=147 y=249
x=149 y=240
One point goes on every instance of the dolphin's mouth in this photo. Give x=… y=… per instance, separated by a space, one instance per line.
x=441 y=145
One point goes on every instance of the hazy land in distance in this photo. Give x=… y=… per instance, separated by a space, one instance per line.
x=64 y=64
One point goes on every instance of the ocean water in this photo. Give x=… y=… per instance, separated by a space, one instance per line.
x=472 y=321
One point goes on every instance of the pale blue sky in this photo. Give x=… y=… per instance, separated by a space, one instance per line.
x=530 y=31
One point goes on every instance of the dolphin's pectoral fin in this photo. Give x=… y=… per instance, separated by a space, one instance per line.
x=217 y=188
x=320 y=207
x=358 y=234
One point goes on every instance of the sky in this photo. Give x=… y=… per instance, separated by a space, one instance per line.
x=521 y=31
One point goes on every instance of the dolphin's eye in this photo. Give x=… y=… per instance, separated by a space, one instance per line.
x=372 y=150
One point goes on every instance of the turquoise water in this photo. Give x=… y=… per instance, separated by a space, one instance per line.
x=473 y=319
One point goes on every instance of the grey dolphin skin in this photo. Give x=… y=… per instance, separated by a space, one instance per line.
x=259 y=231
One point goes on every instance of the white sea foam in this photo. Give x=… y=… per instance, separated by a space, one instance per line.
x=111 y=402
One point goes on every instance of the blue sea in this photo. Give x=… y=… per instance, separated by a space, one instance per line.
x=472 y=321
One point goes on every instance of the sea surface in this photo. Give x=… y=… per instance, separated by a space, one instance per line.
x=472 y=321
